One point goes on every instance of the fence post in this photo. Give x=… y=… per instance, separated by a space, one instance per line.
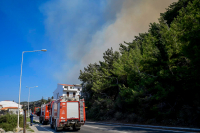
x=24 y=126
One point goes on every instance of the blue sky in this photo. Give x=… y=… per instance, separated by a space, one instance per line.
x=74 y=32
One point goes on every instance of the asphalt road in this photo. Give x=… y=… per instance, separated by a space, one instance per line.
x=93 y=127
x=35 y=117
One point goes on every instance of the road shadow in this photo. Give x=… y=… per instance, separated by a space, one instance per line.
x=46 y=129
x=39 y=128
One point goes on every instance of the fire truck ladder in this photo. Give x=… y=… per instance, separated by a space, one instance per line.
x=81 y=111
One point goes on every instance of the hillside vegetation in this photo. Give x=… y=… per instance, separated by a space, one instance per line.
x=155 y=78
x=34 y=104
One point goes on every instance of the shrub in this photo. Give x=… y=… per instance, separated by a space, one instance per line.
x=151 y=121
x=6 y=127
x=9 y=122
x=132 y=117
x=118 y=115
x=101 y=109
x=2 y=119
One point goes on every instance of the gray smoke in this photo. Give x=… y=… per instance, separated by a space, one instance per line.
x=123 y=20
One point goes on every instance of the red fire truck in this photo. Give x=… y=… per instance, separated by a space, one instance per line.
x=36 y=110
x=67 y=113
x=44 y=116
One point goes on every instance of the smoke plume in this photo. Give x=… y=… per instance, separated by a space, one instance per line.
x=91 y=37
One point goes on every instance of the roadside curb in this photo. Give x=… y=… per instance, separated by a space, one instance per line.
x=152 y=126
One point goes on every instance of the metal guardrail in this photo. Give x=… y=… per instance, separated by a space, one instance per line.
x=160 y=127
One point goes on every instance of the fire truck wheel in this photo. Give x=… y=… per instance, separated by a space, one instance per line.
x=76 y=128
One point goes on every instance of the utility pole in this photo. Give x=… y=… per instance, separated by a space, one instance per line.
x=24 y=126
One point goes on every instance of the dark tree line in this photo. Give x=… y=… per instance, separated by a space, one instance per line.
x=153 y=79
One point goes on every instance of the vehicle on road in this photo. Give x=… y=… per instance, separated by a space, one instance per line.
x=67 y=112
x=44 y=115
x=37 y=110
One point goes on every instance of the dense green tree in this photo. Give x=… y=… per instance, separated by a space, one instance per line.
x=156 y=76
x=173 y=10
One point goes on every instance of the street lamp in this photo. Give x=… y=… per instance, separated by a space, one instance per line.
x=44 y=50
x=29 y=97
